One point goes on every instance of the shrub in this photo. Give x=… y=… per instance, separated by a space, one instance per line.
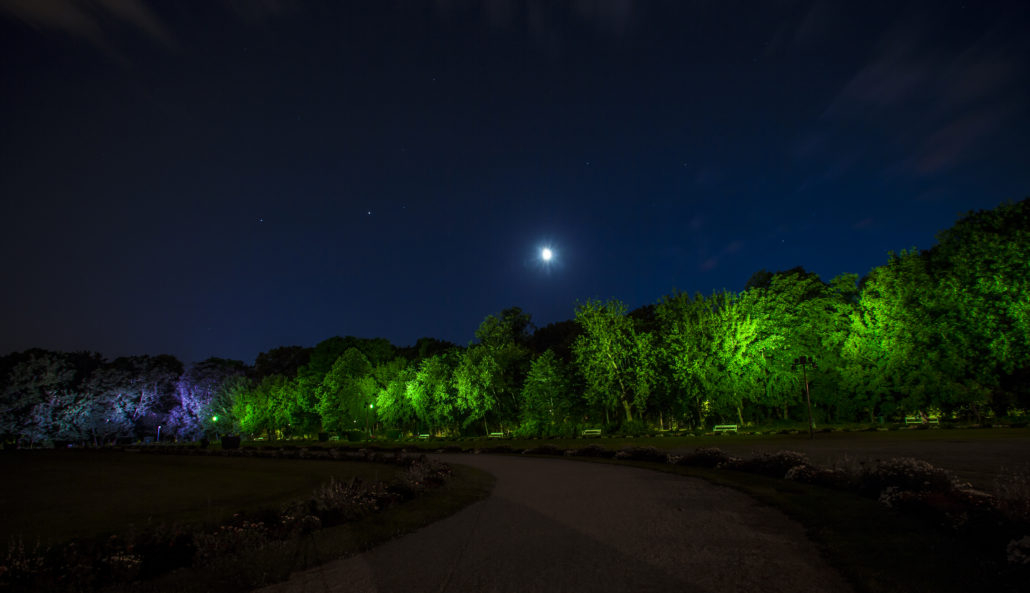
x=807 y=474
x=704 y=457
x=1018 y=551
x=1013 y=489
x=593 y=451
x=229 y=539
x=642 y=454
x=905 y=473
x=775 y=465
x=633 y=428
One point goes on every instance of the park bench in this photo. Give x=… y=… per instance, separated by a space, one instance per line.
x=592 y=432
x=919 y=420
x=497 y=435
x=725 y=428
x=423 y=436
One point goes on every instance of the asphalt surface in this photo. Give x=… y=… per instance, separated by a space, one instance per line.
x=557 y=525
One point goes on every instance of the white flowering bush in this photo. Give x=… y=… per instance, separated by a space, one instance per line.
x=775 y=465
x=809 y=474
x=21 y=564
x=93 y=565
x=1013 y=489
x=1018 y=551
x=232 y=538
x=905 y=473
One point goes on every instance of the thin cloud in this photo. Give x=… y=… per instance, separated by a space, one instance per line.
x=91 y=21
x=938 y=103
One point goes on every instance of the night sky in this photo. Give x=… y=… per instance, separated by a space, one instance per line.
x=220 y=178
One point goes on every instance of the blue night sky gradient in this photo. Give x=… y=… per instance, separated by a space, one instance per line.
x=221 y=178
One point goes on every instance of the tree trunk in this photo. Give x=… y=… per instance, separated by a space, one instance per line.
x=629 y=410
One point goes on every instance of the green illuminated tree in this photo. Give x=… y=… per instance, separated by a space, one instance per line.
x=693 y=350
x=983 y=281
x=476 y=379
x=501 y=364
x=262 y=408
x=346 y=391
x=617 y=363
x=393 y=407
x=548 y=402
x=431 y=394
x=796 y=314
x=903 y=353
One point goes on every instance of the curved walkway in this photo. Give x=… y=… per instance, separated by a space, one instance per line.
x=557 y=525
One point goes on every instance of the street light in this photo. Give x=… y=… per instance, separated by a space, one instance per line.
x=159 y=433
x=804 y=362
x=370 y=406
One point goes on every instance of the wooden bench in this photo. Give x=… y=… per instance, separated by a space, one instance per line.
x=497 y=435
x=720 y=428
x=423 y=436
x=592 y=432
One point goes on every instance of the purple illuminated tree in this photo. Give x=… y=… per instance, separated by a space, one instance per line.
x=201 y=396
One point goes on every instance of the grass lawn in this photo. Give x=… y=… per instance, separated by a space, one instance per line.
x=977 y=455
x=250 y=570
x=53 y=496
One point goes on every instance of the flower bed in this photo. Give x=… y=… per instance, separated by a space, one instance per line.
x=91 y=564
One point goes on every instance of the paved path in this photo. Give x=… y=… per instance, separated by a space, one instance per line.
x=557 y=525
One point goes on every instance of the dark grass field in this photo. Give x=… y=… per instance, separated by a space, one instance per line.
x=53 y=496
x=977 y=455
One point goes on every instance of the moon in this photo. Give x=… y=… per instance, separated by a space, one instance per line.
x=546 y=254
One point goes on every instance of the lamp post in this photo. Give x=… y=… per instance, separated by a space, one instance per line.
x=804 y=362
x=159 y=433
x=370 y=406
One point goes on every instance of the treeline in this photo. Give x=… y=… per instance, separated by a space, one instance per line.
x=940 y=331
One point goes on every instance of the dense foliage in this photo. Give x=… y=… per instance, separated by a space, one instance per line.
x=944 y=331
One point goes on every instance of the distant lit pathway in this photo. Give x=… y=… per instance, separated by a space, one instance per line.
x=557 y=525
